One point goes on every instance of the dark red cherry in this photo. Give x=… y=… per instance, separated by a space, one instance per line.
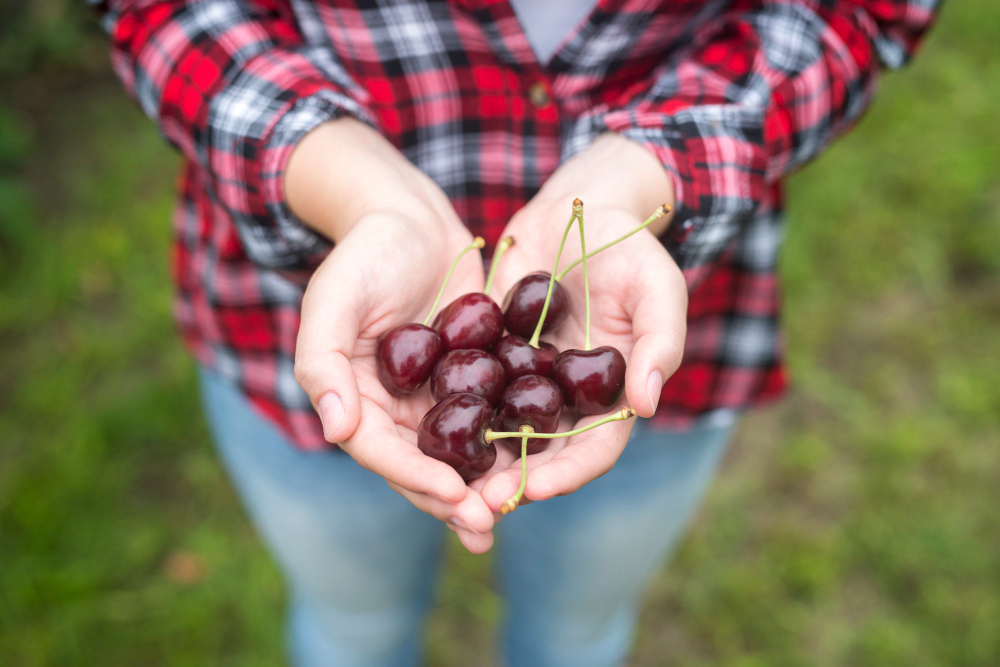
x=468 y=372
x=520 y=359
x=406 y=356
x=533 y=400
x=523 y=305
x=454 y=431
x=472 y=321
x=592 y=380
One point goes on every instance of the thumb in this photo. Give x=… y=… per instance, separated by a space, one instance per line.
x=331 y=316
x=659 y=324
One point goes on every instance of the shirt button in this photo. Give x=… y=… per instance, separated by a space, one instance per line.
x=539 y=95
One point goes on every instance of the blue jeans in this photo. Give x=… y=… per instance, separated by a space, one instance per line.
x=361 y=562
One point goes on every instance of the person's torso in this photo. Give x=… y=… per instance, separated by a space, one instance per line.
x=459 y=88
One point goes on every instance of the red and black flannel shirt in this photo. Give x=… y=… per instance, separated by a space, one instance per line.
x=731 y=95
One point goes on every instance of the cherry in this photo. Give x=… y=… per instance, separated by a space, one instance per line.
x=468 y=372
x=523 y=304
x=532 y=400
x=406 y=356
x=591 y=380
x=454 y=430
x=519 y=358
x=472 y=321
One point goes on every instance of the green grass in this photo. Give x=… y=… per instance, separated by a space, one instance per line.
x=855 y=523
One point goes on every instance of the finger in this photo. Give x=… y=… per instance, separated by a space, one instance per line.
x=659 y=325
x=470 y=513
x=505 y=483
x=503 y=461
x=584 y=458
x=477 y=543
x=331 y=315
x=377 y=446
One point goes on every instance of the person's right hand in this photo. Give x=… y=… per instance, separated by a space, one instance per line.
x=385 y=270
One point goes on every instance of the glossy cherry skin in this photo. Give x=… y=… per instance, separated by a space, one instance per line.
x=406 y=356
x=523 y=305
x=454 y=431
x=468 y=372
x=472 y=321
x=533 y=400
x=592 y=380
x=520 y=359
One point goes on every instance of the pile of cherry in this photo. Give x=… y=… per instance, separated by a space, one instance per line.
x=494 y=387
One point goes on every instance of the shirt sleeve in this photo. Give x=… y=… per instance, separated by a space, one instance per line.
x=761 y=89
x=234 y=85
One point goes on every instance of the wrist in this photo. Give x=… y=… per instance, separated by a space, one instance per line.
x=344 y=171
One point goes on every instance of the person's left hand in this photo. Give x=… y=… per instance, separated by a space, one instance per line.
x=638 y=303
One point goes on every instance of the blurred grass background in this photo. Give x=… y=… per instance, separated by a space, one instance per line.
x=855 y=523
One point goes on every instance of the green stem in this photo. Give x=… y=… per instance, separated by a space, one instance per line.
x=511 y=503
x=578 y=210
x=659 y=213
x=621 y=415
x=502 y=247
x=478 y=242
x=552 y=281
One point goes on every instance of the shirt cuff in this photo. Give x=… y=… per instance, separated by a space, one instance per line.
x=255 y=124
x=292 y=244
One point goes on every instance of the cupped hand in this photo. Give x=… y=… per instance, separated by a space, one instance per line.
x=385 y=270
x=638 y=304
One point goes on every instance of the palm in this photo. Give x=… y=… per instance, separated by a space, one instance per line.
x=384 y=273
x=377 y=282
x=392 y=302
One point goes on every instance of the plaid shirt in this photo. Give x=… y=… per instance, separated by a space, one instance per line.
x=731 y=95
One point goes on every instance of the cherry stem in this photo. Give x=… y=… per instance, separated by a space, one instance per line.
x=621 y=415
x=552 y=281
x=477 y=242
x=511 y=503
x=657 y=214
x=502 y=247
x=578 y=211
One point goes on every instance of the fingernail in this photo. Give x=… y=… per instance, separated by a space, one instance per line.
x=458 y=523
x=653 y=386
x=331 y=413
